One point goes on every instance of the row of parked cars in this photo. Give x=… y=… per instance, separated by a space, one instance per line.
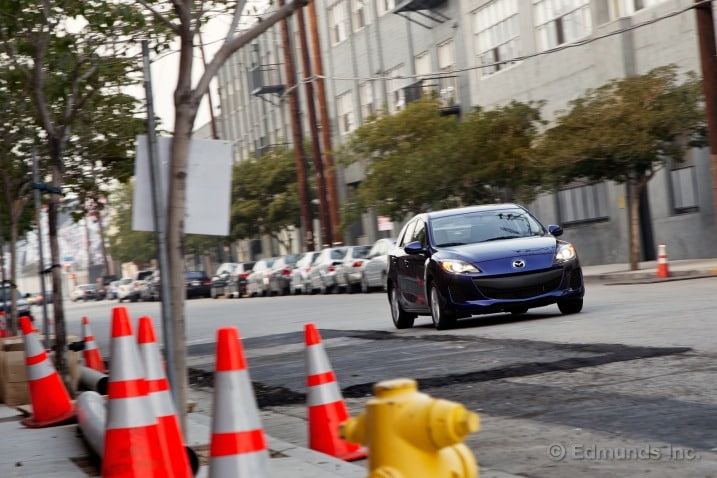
x=332 y=269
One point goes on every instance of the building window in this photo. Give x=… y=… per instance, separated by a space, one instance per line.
x=422 y=64
x=625 y=8
x=558 y=22
x=683 y=183
x=337 y=23
x=448 y=87
x=496 y=33
x=368 y=107
x=583 y=204
x=384 y=6
x=345 y=112
x=359 y=14
x=396 y=99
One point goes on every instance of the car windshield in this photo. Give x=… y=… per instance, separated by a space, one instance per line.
x=194 y=275
x=483 y=226
x=360 y=252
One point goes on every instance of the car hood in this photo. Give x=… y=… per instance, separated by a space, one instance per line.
x=497 y=257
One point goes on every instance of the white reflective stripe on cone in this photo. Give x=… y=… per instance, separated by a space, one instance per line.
x=40 y=370
x=316 y=360
x=162 y=403
x=125 y=366
x=152 y=366
x=90 y=345
x=251 y=465
x=238 y=409
x=323 y=394
x=131 y=412
x=33 y=346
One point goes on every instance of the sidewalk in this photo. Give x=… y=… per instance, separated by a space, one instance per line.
x=59 y=452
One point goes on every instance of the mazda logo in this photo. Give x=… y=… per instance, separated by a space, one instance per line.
x=518 y=264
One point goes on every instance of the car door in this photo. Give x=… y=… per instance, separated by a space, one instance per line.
x=415 y=267
x=399 y=261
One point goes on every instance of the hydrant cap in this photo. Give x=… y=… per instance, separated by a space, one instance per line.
x=395 y=386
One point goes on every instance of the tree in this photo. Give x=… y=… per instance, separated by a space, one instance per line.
x=265 y=195
x=405 y=156
x=493 y=155
x=126 y=245
x=184 y=19
x=625 y=131
x=68 y=55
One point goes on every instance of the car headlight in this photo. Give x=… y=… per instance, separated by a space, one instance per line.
x=458 y=267
x=566 y=252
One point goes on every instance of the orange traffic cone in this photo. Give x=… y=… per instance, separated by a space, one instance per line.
x=91 y=354
x=238 y=445
x=327 y=409
x=662 y=268
x=50 y=400
x=170 y=433
x=131 y=445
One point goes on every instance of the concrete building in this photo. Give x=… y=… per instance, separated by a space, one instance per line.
x=385 y=53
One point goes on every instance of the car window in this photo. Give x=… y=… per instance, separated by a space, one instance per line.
x=194 y=275
x=360 y=251
x=406 y=234
x=337 y=253
x=419 y=233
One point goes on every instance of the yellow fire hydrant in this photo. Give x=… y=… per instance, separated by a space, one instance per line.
x=411 y=435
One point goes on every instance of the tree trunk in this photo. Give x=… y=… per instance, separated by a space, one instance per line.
x=635 y=188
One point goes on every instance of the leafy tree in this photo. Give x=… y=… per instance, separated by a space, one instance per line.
x=68 y=57
x=625 y=131
x=405 y=156
x=125 y=244
x=265 y=195
x=493 y=155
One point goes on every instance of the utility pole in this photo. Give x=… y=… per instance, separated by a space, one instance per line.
x=708 y=60
x=297 y=136
x=327 y=160
x=321 y=187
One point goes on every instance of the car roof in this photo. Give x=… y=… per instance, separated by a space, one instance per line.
x=469 y=209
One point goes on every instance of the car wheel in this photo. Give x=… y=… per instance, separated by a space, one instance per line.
x=441 y=318
x=401 y=318
x=572 y=306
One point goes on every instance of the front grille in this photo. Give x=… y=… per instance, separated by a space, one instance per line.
x=520 y=286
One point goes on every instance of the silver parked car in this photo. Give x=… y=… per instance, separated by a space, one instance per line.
x=322 y=277
x=373 y=275
x=300 y=274
x=257 y=283
x=348 y=273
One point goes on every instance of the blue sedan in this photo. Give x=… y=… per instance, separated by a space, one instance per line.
x=456 y=263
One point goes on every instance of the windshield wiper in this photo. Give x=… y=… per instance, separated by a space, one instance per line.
x=449 y=244
x=500 y=238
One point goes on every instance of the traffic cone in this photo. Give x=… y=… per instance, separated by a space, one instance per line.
x=663 y=269
x=131 y=445
x=50 y=400
x=3 y=326
x=327 y=410
x=238 y=445
x=170 y=432
x=91 y=353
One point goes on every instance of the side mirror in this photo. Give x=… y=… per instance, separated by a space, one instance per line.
x=555 y=230
x=414 y=247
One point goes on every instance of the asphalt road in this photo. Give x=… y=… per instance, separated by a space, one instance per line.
x=624 y=388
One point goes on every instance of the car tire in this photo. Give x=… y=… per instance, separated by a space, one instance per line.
x=401 y=318
x=442 y=319
x=572 y=306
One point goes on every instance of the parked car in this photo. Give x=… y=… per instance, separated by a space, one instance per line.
x=151 y=287
x=257 y=283
x=280 y=275
x=300 y=274
x=197 y=284
x=322 y=277
x=125 y=289
x=84 y=292
x=373 y=274
x=140 y=285
x=36 y=298
x=236 y=287
x=348 y=273
x=221 y=278
x=103 y=284
x=6 y=293
x=112 y=290
x=460 y=262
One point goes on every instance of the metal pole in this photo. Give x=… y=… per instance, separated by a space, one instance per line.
x=159 y=212
x=38 y=214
